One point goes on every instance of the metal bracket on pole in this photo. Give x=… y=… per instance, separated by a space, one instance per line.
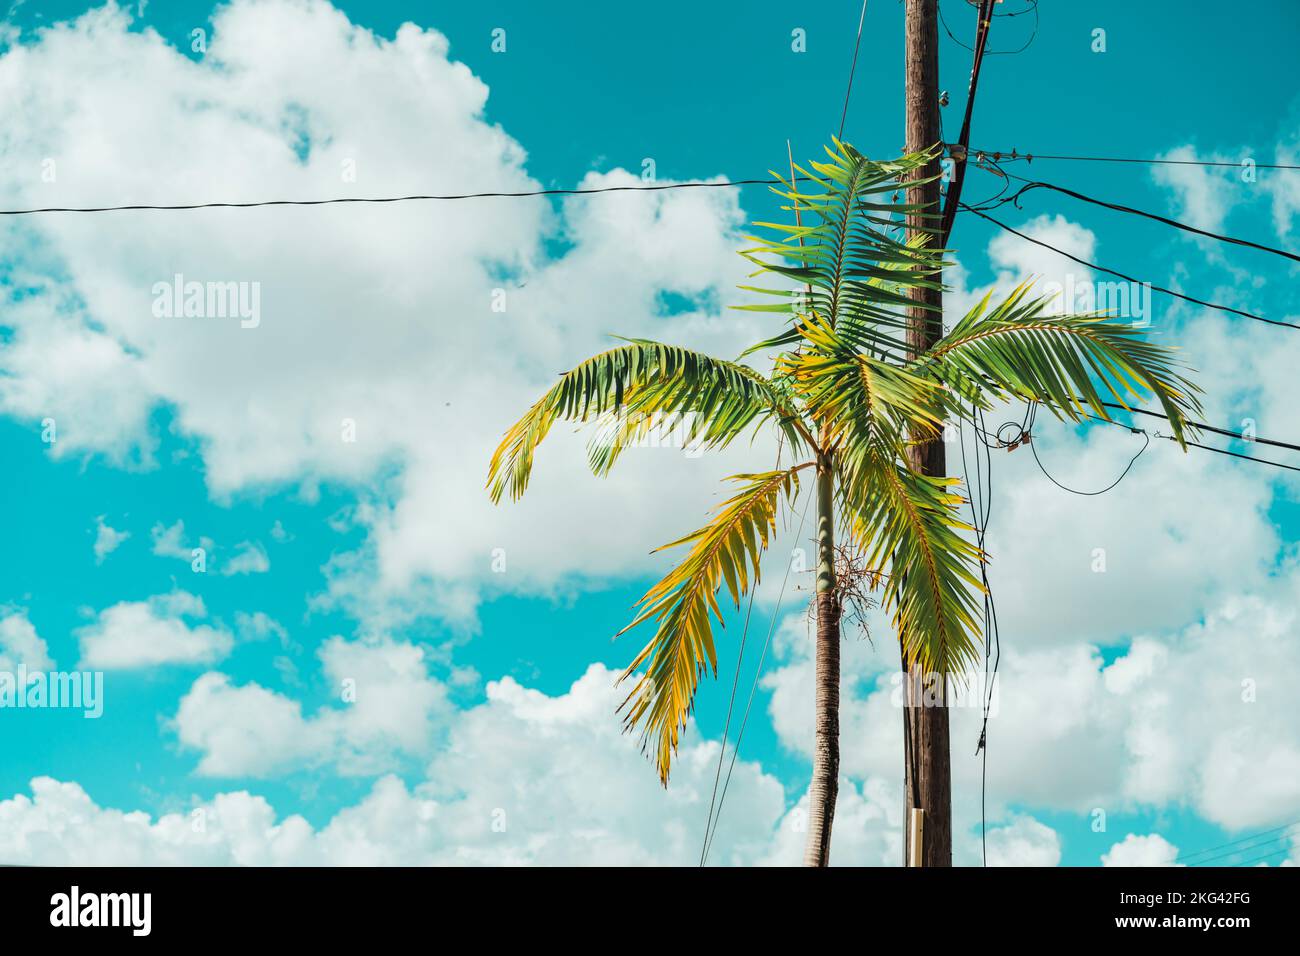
x=917 y=825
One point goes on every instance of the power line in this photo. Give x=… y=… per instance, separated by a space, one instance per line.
x=1127 y=278
x=1007 y=155
x=715 y=817
x=982 y=490
x=1089 y=494
x=1226 y=432
x=657 y=187
x=740 y=658
x=1025 y=435
x=1185 y=856
x=744 y=720
x=949 y=212
x=1032 y=8
x=1236 y=454
x=1246 y=847
x=1261 y=859
x=1117 y=207
x=1194 y=444
x=852 y=69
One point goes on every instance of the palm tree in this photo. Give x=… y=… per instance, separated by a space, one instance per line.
x=847 y=400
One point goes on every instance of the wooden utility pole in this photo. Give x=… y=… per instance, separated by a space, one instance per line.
x=928 y=773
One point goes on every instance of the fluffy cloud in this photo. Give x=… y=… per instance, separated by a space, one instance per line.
x=389 y=706
x=524 y=778
x=107 y=539
x=1198 y=718
x=152 y=633
x=1134 y=850
x=1203 y=195
x=20 y=645
x=60 y=824
x=82 y=386
x=249 y=558
x=245 y=731
x=379 y=351
x=169 y=542
x=258 y=626
x=1283 y=187
x=867 y=828
x=1024 y=842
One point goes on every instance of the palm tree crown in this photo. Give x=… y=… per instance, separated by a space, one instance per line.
x=848 y=398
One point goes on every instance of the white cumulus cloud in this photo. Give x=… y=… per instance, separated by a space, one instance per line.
x=1135 y=850
x=107 y=539
x=20 y=644
x=152 y=633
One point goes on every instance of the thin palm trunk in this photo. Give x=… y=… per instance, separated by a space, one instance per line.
x=826 y=751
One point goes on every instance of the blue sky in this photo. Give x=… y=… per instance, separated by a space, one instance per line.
x=378 y=554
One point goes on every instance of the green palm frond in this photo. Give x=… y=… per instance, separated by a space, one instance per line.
x=910 y=522
x=854 y=272
x=725 y=551
x=723 y=398
x=701 y=411
x=1069 y=363
x=851 y=395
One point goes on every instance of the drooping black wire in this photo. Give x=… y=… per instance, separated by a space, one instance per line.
x=1088 y=494
x=996 y=200
x=1032 y=8
x=1026 y=427
x=1128 y=278
x=1031 y=184
x=132 y=207
x=1202 y=426
x=715 y=806
x=980 y=499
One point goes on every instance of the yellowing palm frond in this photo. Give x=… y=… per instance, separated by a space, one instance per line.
x=725 y=551
x=910 y=522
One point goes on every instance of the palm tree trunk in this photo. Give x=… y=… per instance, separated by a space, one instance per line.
x=826 y=752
